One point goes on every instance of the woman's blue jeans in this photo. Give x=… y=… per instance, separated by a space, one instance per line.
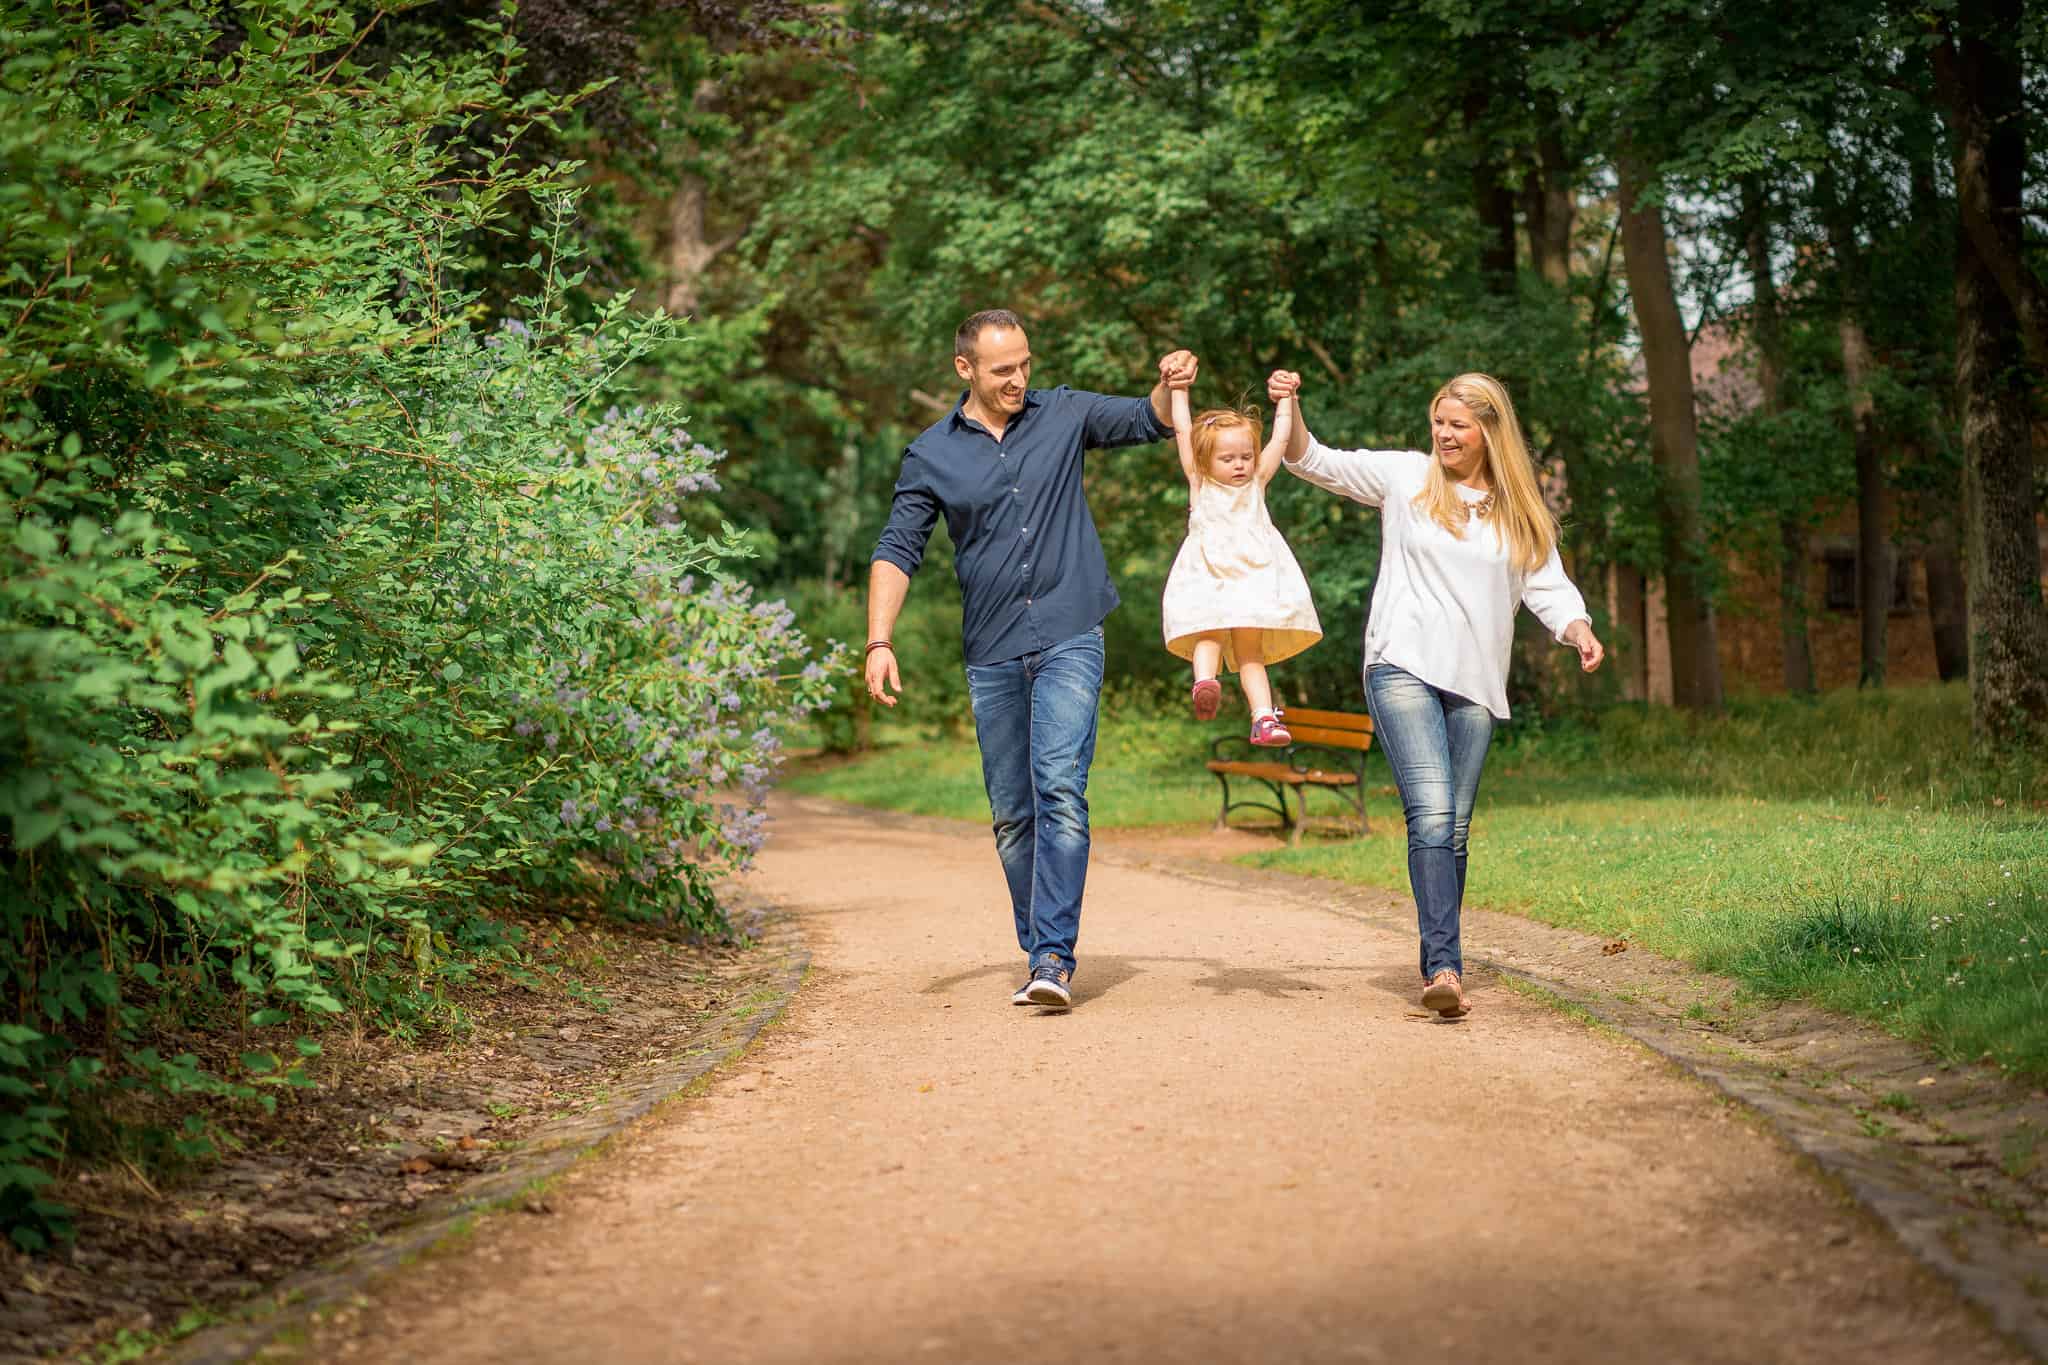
x=1034 y=718
x=1435 y=741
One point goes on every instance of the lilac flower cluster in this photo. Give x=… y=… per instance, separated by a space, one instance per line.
x=648 y=462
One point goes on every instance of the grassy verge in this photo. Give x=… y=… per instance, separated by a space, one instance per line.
x=1851 y=850
x=1148 y=771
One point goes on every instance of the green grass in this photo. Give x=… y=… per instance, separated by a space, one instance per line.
x=1851 y=850
x=1148 y=771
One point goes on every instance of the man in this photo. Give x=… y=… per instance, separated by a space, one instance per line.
x=1004 y=467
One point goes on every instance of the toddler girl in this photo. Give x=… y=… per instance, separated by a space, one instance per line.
x=1235 y=598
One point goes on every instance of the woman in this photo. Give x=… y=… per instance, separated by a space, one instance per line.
x=1465 y=539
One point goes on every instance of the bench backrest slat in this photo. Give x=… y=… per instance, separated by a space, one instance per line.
x=1326 y=720
x=1335 y=739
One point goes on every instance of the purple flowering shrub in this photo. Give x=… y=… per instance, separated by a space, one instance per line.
x=666 y=695
x=607 y=699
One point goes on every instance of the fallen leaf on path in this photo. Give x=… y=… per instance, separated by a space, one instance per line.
x=418 y=1165
x=537 y=1205
x=925 y=1089
x=1927 y=1080
x=1619 y=945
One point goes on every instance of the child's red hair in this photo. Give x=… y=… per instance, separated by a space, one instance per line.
x=1212 y=423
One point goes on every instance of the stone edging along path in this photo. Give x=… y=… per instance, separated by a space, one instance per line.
x=1943 y=1155
x=266 y=1326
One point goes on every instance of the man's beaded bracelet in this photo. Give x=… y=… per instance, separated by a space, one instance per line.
x=874 y=645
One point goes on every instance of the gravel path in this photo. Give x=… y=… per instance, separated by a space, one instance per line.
x=1243 y=1144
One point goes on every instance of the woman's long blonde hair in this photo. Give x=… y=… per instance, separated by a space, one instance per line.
x=1520 y=517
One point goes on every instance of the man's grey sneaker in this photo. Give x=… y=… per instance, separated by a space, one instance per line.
x=1048 y=985
x=1022 y=995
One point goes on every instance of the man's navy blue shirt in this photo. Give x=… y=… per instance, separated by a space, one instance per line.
x=1029 y=561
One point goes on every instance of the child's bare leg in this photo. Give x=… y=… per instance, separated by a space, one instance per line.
x=1251 y=669
x=1207 y=694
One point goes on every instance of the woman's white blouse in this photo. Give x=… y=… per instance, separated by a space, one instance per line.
x=1443 y=607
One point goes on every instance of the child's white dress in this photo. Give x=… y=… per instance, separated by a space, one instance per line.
x=1235 y=571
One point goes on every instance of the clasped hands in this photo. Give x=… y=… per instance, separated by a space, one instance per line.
x=1177 y=369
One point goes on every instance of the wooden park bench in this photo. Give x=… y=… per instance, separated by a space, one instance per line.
x=1328 y=751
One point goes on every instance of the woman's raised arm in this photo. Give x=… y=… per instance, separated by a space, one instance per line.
x=1285 y=419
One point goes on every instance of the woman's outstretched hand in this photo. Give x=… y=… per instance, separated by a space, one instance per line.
x=1282 y=385
x=1579 y=635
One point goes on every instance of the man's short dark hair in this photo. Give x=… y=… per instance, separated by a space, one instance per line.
x=971 y=330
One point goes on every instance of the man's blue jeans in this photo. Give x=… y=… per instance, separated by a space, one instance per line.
x=1035 y=720
x=1435 y=741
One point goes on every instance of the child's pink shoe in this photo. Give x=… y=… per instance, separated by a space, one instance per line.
x=1207 y=697
x=1269 y=733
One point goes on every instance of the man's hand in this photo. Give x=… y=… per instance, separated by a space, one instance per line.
x=1176 y=373
x=1579 y=635
x=1282 y=385
x=882 y=677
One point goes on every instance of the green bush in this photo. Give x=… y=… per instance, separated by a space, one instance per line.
x=927 y=636
x=334 y=617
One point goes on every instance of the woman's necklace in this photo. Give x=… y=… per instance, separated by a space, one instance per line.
x=1482 y=508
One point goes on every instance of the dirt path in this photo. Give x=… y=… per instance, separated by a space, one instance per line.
x=1242 y=1145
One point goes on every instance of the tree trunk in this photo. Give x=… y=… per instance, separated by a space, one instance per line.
x=1547 y=201
x=863 y=721
x=1492 y=200
x=1795 y=644
x=1873 y=547
x=690 y=252
x=1980 y=84
x=1940 y=507
x=1793 y=639
x=1874 y=568
x=1632 y=631
x=1947 y=598
x=1674 y=443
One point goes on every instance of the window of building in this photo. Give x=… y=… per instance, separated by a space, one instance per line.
x=1841 y=583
